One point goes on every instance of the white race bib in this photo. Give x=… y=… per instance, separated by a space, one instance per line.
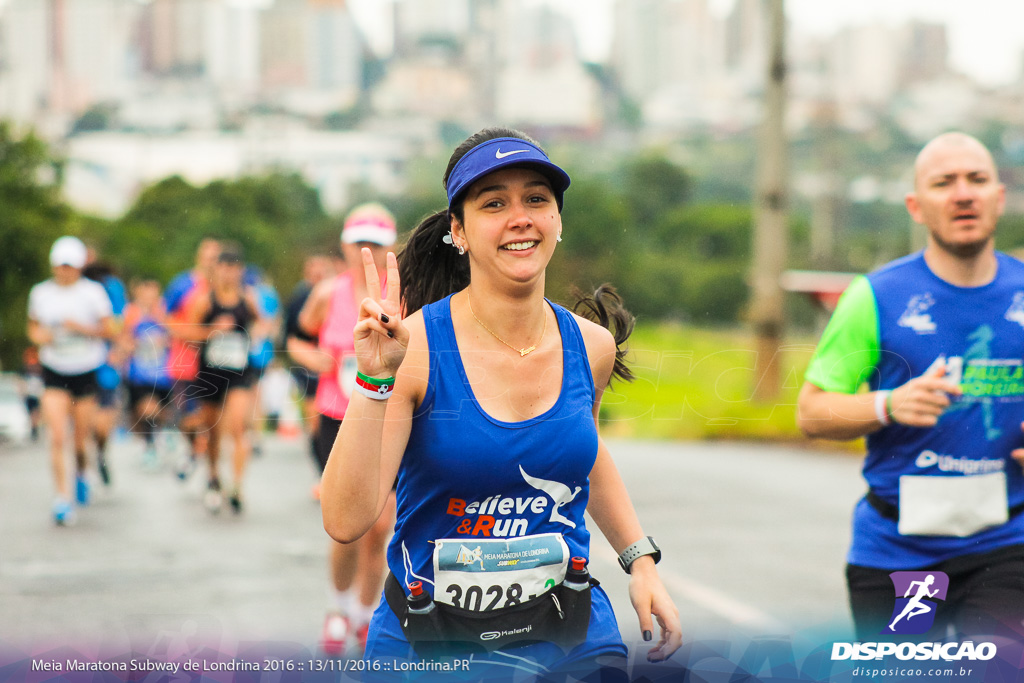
x=228 y=350
x=150 y=349
x=493 y=573
x=952 y=506
x=71 y=346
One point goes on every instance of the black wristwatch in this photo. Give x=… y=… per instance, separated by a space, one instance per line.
x=645 y=546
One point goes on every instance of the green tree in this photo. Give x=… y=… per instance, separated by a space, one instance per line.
x=33 y=216
x=652 y=185
x=277 y=218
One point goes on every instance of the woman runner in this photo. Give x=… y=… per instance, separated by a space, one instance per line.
x=482 y=397
x=224 y=321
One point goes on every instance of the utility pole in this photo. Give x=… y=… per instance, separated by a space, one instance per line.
x=825 y=211
x=770 y=214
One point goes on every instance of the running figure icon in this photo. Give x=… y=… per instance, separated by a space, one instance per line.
x=914 y=606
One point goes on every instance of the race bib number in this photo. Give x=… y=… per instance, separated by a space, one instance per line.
x=952 y=506
x=228 y=350
x=347 y=375
x=150 y=350
x=71 y=345
x=486 y=574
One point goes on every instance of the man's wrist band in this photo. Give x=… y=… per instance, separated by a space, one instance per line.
x=882 y=407
x=373 y=387
x=645 y=546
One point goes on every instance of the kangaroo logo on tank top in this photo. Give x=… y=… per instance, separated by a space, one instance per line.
x=558 y=492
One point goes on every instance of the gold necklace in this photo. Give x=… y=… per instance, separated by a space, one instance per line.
x=522 y=352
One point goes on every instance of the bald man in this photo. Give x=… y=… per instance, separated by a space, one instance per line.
x=924 y=357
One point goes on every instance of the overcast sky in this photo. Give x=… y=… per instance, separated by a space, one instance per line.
x=986 y=36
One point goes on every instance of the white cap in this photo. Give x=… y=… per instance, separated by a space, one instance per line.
x=68 y=251
x=370 y=223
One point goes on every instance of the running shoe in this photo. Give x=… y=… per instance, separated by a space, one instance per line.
x=186 y=466
x=63 y=513
x=335 y=634
x=361 y=636
x=213 y=498
x=101 y=465
x=235 y=500
x=82 y=489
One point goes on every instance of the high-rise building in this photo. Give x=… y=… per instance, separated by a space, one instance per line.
x=540 y=81
x=27 y=27
x=669 y=56
x=864 y=62
x=62 y=56
x=313 y=52
x=746 y=41
x=173 y=43
x=430 y=25
x=231 y=47
x=926 y=55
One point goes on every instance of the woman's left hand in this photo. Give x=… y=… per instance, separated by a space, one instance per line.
x=650 y=598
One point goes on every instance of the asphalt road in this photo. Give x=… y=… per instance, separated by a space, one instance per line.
x=754 y=539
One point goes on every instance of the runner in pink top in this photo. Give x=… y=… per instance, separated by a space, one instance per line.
x=357 y=569
x=335 y=386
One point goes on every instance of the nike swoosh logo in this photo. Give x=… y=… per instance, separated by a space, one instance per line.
x=501 y=155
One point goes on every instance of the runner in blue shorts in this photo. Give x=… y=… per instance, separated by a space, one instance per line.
x=482 y=397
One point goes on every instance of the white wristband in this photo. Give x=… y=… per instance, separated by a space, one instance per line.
x=381 y=394
x=881 y=412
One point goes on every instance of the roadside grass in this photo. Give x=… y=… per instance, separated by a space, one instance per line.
x=697 y=383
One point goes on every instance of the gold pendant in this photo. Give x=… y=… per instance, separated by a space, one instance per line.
x=523 y=352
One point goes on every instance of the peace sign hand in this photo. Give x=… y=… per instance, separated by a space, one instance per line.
x=381 y=339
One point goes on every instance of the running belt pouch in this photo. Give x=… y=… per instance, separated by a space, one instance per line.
x=560 y=616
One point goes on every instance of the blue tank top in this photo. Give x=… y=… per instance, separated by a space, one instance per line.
x=922 y=317
x=470 y=477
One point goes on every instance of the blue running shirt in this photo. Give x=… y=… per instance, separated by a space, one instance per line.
x=889 y=327
x=486 y=484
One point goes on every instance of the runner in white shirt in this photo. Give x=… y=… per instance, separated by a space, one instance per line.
x=69 y=318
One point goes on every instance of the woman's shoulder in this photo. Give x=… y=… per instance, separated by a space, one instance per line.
x=600 y=346
x=596 y=337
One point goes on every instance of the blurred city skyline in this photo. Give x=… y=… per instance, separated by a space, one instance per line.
x=981 y=44
x=985 y=39
x=353 y=94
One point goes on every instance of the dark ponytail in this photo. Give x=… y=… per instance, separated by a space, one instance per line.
x=605 y=308
x=431 y=269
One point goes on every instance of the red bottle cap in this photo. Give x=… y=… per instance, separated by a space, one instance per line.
x=416 y=588
x=579 y=564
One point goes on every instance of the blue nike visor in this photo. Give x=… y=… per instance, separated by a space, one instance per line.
x=499 y=153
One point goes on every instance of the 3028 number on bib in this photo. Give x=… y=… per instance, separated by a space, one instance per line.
x=487 y=574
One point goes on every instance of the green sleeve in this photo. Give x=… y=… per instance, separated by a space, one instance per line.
x=849 y=348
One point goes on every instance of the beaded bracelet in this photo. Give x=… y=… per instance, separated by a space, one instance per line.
x=372 y=387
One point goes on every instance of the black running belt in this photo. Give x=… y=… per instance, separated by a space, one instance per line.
x=892 y=511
